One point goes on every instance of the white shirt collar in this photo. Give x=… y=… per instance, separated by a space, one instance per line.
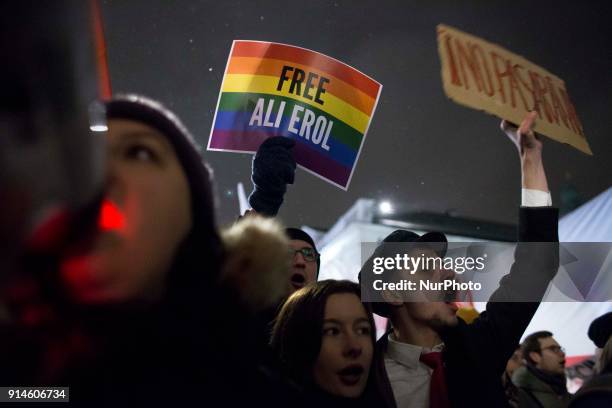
x=408 y=354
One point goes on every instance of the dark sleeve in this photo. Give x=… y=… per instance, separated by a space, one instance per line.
x=513 y=304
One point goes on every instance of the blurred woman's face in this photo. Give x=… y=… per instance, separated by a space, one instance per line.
x=146 y=214
x=343 y=364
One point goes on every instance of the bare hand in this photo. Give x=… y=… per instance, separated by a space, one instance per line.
x=527 y=142
x=529 y=146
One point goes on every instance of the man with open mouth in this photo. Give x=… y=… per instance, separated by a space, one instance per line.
x=541 y=382
x=432 y=358
x=305 y=264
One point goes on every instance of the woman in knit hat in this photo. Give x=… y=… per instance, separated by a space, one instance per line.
x=135 y=313
x=157 y=215
x=129 y=305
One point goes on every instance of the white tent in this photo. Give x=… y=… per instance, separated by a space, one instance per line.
x=569 y=322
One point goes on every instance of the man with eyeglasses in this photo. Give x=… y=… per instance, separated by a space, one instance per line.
x=305 y=264
x=541 y=381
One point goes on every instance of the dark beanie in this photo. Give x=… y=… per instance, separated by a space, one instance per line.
x=600 y=330
x=296 y=233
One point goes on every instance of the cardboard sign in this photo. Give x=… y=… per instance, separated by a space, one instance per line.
x=485 y=76
x=272 y=89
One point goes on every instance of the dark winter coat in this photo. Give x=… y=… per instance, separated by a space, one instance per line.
x=475 y=355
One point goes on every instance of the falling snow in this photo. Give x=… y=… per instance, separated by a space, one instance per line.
x=412 y=117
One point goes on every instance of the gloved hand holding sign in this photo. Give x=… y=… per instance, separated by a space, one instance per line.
x=273 y=168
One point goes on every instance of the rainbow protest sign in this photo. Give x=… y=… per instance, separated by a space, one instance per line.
x=272 y=89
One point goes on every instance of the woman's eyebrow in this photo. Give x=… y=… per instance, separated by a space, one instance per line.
x=145 y=134
x=362 y=320
x=335 y=321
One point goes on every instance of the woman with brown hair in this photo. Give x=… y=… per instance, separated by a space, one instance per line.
x=324 y=338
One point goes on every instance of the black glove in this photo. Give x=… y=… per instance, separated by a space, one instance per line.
x=273 y=169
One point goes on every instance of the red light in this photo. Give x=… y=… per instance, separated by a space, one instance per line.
x=49 y=233
x=111 y=218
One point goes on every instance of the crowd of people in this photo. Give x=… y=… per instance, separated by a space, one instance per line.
x=158 y=305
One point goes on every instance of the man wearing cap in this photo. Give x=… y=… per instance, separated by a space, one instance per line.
x=431 y=357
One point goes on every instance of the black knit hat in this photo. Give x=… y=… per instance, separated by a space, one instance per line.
x=440 y=246
x=600 y=329
x=203 y=242
x=296 y=233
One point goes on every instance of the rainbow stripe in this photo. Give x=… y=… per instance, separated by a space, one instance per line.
x=253 y=72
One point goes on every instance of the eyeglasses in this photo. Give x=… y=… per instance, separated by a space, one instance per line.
x=309 y=254
x=555 y=349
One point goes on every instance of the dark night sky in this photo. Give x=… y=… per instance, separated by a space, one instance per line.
x=422 y=152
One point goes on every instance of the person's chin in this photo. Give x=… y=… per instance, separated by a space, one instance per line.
x=452 y=321
x=350 y=391
x=447 y=320
x=89 y=279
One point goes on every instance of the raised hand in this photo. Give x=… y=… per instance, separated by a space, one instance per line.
x=529 y=146
x=273 y=168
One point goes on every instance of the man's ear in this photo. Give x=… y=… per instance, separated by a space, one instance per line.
x=392 y=297
x=535 y=357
